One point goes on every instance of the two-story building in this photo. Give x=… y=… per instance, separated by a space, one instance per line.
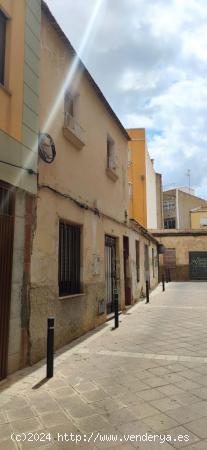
x=19 y=90
x=84 y=244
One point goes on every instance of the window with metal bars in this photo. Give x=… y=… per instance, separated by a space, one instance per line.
x=3 y=21
x=69 y=259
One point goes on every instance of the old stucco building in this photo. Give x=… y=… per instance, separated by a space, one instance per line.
x=19 y=81
x=185 y=253
x=84 y=243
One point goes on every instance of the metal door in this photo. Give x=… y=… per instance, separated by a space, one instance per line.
x=6 y=256
x=198 y=265
x=127 y=283
x=110 y=271
x=146 y=263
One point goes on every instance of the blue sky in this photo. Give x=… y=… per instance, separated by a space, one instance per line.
x=149 y=58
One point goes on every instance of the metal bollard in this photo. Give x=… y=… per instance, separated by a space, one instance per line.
x=169 y=275
x=163 y=282
x=116 y=308
x=50 y=346
x=147 y=291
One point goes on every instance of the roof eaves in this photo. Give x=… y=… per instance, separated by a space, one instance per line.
x=59 y=30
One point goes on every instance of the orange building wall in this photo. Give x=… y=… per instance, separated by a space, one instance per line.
x=11 y=95
x=137 y=176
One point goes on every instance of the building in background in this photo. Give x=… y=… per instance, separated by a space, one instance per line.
x=19 y=91
x=199 y=218
x=145 y=185
x=177 y=206
x=185 y=254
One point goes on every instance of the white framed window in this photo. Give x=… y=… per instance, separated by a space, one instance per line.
x=203 y=221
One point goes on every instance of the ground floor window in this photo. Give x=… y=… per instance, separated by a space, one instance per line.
x=69 y=258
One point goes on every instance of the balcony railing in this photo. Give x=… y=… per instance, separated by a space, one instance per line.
x=73 y=131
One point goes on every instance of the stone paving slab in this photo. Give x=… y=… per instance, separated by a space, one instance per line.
x=112 y=387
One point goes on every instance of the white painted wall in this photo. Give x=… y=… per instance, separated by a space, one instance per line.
x=151 y=192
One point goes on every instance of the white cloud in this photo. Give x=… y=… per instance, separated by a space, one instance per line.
x=150 y=60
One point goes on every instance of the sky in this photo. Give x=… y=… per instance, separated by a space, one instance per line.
x=149 y=57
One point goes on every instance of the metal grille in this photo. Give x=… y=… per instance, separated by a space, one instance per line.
x=198 y=265
x=6 y=257
x=69 y=259
x=137 y=249
x=110 y=271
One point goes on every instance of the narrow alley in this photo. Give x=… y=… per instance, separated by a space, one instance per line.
x=116 y=388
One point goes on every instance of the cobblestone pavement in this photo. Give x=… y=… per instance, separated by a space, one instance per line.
x=149 y=377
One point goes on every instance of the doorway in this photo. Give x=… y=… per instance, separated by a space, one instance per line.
x=6 y=256
x=110 y=272
x=146 y=263
x=127 y=280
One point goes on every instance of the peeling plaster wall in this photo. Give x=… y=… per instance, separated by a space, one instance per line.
x=76 y=315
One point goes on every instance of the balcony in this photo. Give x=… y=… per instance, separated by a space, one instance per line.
x=73 y=131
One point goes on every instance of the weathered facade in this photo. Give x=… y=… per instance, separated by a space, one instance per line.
x=19 y=79
x=185 y=254
x=84 y=243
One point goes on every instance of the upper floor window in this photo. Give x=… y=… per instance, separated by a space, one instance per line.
x=168 y=205
x=71 y=101
x=3 y=21
x=203 y=221
x=170 y=223
x=111 y=167
x=72 y=128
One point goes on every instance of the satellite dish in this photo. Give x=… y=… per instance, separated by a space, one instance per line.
x=46 y=148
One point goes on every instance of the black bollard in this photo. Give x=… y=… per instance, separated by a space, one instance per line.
x=116 y=308
x=50 y=346
x=147 y=291
x=163 y=282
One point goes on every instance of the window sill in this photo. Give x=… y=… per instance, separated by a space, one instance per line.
x=68 y=297
x=75 y=135
x=5 y=89
x=112 y=174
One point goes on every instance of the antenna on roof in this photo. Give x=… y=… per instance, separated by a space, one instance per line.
x=188 y=175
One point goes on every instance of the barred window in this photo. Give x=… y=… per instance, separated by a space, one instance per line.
x=137 y=260
x=3 y=21
x=69 y=259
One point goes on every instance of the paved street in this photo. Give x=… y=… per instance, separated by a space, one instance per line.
x=147 y=378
